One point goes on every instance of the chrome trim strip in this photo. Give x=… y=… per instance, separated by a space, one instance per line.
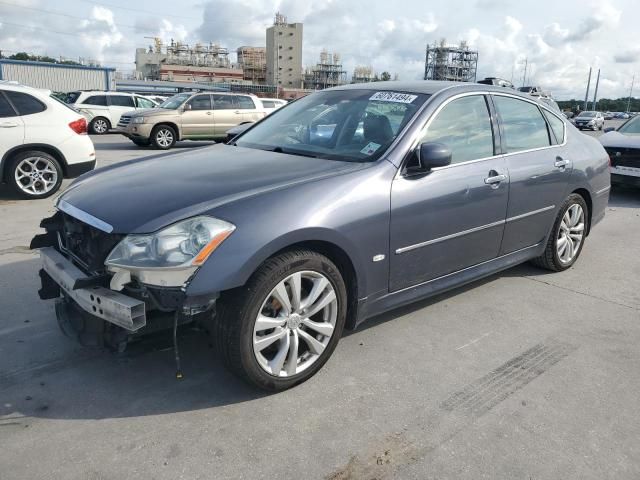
x=448 y=237
x=83 y=216
x=528 y=214
x=602 y=191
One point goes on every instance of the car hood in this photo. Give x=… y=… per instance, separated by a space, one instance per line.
x=584 y=118
x=617 y=139
x=144 y=195
x=148 y=112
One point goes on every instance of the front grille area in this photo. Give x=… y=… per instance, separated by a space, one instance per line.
x=624 y=157
x=124 y=121
x=86 y=245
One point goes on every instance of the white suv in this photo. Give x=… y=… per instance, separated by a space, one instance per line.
x=103 y=109
x=42 y=140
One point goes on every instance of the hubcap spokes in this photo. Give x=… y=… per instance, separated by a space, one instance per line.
x=295 y=324
x=164 y=138
x=100 y=126
x=36 y=175
x=571 y=233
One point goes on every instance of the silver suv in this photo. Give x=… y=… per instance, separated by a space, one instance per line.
x=190 y=116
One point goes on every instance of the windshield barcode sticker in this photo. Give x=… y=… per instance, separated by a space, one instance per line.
x=393 y=97
x=370 y=148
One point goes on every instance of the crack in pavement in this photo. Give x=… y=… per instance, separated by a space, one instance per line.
x=607 y=300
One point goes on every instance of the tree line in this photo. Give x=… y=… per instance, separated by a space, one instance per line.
x=24 y=56
x=603 y=105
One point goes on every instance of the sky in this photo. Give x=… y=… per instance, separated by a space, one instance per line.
x=559 y=39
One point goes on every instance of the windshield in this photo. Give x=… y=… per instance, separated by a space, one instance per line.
x=587 y=114
x=352 y=125
x=174 y=102
x=632 y=127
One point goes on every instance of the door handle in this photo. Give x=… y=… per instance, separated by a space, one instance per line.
x=8 y=125
x=208 y=113
x=495 y=178
x=237 y=112
x=561 y=162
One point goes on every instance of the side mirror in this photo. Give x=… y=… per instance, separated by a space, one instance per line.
x=609 y=129
x=433 y=155
x=187 y=107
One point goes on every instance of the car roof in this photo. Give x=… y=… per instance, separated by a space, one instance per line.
x=18 y=87
x=431 y=87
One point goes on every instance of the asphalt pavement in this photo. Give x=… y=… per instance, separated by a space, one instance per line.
x=527 y=374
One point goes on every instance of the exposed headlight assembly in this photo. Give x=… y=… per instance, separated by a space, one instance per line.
x=137 y=120
x=184 y=245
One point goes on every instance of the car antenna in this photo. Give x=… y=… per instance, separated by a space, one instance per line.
x=175 y=345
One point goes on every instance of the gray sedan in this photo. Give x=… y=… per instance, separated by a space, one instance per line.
x=337 y=207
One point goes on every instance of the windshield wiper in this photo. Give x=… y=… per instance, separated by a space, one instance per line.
x=291 y=151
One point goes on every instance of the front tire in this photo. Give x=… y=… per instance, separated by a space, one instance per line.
x=283 y=325
x=163 y=137
x=34 y=174
x=99 y=126
x=141 y=143
x=567 y=237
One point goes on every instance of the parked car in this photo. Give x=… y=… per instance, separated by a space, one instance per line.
x=498 y=82
x=191 y=116
x=621 y=116
x=271 y=104
x=531 y=90
x=158 y=99
x=42 y=141
x=623 y=146
x=104 y=109
x=590 y=120
x=277 y=242
x=608 y=115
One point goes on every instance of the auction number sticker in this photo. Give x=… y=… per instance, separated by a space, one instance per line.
x=370 y=148
x=393 y=97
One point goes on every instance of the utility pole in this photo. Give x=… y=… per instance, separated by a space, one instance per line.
x=586 y=95
x=630 y=93
x=524 y=77
x=595 y=93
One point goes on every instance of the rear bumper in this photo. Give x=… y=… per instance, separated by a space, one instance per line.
x=76 y=169
x=632 y=181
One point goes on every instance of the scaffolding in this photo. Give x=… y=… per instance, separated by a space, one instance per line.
x=253 y=61
x=363 y=75
x=327 y=73
x=450 y=62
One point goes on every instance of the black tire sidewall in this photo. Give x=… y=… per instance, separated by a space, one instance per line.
x=154 y=133
x=92 y=125
x=572 y=200
x=254 y=298
x=13 y=163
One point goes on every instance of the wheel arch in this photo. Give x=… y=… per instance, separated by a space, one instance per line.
x=42 y=147
x=169 y=124
x=584 y=193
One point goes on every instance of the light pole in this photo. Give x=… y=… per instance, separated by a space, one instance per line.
x=630 y=93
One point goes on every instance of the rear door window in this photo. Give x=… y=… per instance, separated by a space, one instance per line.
x=122 y=101
x=223 y=102
x=6 y=110
x=200 y=102
x=523 y=125
x=100 y=100
x=557 y=127
x=25 y=104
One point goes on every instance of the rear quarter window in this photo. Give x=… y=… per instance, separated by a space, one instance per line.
x=100 y=100
x=25 y=104
x=6 y=110
x=557 y=127
x=122 y=101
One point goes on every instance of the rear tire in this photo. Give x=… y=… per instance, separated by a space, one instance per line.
x=566 y=229
x=34 y=174
x=99 y=126
x=163 y=137
x=239 y=327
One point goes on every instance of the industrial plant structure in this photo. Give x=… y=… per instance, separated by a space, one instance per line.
x=363 y=75
x=284 y=53
x=325 y=74
x=450 y=62
x=253 y=62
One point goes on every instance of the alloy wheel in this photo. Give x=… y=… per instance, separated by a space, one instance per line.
x=36 y=175
x=164 y=138
x=570 y=234
x=100 y=126
x=295 y=324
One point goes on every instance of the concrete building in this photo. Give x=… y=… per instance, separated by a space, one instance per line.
x=57 y=77
x=253 y=62
x=284 y=53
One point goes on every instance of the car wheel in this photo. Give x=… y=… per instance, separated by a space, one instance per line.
x=567 y=237
x=34 y=174
x=99 y=126
x=163 y=137
x=279 y=329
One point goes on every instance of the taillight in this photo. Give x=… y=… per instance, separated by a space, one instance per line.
x=79 y=126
